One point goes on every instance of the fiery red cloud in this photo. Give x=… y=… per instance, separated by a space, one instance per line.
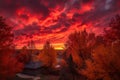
x=54 y=20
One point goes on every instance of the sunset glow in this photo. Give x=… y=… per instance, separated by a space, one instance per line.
x=54 y=20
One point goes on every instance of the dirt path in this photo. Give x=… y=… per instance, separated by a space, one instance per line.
x=27 y=76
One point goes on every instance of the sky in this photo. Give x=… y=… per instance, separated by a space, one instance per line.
x=54 y=20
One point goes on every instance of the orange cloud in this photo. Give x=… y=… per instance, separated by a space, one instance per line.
x=42 y=20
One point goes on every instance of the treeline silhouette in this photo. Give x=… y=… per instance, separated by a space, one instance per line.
x=86 y=56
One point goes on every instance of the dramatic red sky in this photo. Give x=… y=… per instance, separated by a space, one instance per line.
x=54 y=20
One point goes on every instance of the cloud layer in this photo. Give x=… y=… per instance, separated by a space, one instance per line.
x=54 y=20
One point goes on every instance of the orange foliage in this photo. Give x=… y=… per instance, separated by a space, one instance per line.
x=9 y=65
x=80 y=46
x=6 y=35
x=48 y=56
x=24 y=55
x=114 y=32
x=105 y=64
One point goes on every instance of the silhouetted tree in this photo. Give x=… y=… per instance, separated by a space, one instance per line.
x=24 y=56
x=80 y=46
x=69 y=72
x=114 y=30
x=48 y=55
x=6 y=35
x=105 y=63
x=9 y=65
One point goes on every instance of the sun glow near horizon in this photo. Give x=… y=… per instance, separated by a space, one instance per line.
x=57 y=46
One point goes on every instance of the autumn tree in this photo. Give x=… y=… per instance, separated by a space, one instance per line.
x=113 y=33
x=80 y=46
x=24 y=56
x=48 y=55
x=104 y=64
x=9 y=65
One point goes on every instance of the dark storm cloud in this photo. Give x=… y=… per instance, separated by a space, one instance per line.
x=55 y=27
x=47 y=17
x=24 y=16
x=9 y=7
x=35 y=6
x=77 y=17
x=28 y=30
x=62 y=22
x=62 y=30
x=54 y=3
x=106 y=8
x=87 y=1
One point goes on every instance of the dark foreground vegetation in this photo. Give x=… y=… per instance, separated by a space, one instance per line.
x=86 y=56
